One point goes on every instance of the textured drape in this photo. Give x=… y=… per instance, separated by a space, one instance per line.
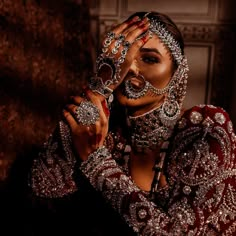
x=45 y=55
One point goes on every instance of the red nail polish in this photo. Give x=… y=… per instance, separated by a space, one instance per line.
x=145 y=39
x=133 y=20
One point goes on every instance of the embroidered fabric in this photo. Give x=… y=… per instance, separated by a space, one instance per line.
x=52 y=172
x=201 y=173
x=201 y=176
x=147 y=130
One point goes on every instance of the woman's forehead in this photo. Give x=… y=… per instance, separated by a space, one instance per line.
x=156 y=43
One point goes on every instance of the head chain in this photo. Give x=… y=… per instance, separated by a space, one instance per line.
x=178 y=83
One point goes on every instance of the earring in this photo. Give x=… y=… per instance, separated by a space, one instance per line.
x=170 y=109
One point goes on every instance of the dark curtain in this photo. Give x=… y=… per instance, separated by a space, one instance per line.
x=46 y=53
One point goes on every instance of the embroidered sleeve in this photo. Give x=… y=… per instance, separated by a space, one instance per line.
x=52 y=171
x=202 y=178
x=119 y=190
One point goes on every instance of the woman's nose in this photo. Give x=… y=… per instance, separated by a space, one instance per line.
x=134 y=67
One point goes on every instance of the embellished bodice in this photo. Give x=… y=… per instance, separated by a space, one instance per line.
x=201 y=173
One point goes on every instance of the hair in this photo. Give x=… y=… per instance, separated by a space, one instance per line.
x=167 y=22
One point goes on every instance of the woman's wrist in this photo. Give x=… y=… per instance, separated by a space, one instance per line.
x=99 y=153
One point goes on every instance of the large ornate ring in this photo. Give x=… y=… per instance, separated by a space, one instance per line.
x=87 y=113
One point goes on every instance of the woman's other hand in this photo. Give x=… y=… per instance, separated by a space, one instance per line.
x=119 y=50
x=88 y=121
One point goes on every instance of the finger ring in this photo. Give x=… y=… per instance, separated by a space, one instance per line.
x=87 y=113
x=120 y=38
x=126 y=44
x=111 y=35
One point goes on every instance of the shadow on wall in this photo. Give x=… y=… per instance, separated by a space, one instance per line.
x=45 y=55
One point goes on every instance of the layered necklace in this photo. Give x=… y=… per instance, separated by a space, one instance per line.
x=147 y=131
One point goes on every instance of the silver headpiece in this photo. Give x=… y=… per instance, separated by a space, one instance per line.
x=168 y=40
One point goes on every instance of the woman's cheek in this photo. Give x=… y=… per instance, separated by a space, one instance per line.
x=159 y=77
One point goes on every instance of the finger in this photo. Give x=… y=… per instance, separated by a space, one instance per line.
x=130 y=38
x=70 y=119
x=135 y=26
x=97 y=101
x=76 y=99
x=71 y=108
x=139 y=43
x=115 y=32
x=103 y=118
x=131 y=53
x=137 y=32
x=100 y=128
x=120 y=28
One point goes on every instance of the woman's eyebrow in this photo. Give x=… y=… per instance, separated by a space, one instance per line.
x=150 y=50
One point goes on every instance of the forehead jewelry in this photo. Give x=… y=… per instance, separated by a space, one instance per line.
x=166 y=38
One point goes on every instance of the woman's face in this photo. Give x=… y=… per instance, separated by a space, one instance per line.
x=153 y=61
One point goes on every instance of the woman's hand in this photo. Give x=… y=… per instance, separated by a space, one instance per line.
x=119 y=50
x=86 y=137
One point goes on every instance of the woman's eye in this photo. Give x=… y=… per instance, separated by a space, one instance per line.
x=150 y=60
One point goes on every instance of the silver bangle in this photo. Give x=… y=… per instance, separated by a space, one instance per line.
x=98 y=153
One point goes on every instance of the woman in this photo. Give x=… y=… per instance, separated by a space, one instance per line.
x=160 y=169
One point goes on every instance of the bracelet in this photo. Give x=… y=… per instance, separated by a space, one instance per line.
x=96 y=84
x=100 y=152
x=94 y=159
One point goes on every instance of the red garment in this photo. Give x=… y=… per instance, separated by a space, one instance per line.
x=200 y=171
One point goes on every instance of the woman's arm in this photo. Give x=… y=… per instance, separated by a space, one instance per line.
x=52 y=171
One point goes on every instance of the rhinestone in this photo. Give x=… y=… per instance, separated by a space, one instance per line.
x=196 y=117
x=230 y=127
x=142 y=213
x=220 y=118
x=186 y=190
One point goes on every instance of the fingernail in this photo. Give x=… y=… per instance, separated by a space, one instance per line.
x=136 y=18
x=133 y=20
x=145 y=39
x=65 y=112
x=145 y=19
x=141 y=23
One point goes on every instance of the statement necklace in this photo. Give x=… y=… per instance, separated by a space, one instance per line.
x=147 y=131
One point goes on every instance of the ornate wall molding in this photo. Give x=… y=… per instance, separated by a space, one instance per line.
x=223 y=36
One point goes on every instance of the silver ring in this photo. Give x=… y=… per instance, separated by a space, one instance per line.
x=87 y=113
x=120 y=38
x=111 y=35
x=126 y=44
